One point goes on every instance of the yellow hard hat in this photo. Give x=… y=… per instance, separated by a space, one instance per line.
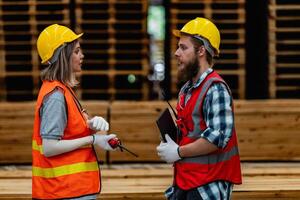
x=204 y=28
x=51 y=38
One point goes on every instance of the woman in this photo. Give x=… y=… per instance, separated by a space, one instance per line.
x=64 y=161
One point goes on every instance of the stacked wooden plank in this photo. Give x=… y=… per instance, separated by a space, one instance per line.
x=229 y=17
x=116 y=48
x=148 y=182
x=16 y=126
x=21 y=22
x=134 y=123
x=268 y=130
x=284 y=49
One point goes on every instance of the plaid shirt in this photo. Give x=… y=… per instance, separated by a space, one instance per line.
x=218 y=116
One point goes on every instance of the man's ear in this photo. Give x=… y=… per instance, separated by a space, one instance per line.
x=201 y=50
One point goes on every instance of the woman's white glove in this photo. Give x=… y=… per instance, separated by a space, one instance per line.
x=98 y=124
x=102 y=141
x=168 y=151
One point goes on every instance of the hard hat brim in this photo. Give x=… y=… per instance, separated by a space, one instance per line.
x=79 y=35
x=176 y=33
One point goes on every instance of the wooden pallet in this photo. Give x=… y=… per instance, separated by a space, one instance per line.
x=229 y=17
x=116 y=46
x=284 y=45
x=21 y=22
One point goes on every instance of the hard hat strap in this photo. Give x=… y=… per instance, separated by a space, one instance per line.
x=206 y=44
x=55 y=56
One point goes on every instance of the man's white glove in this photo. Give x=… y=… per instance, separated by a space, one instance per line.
x=102 y=141
x=168 y=151
x=98 y=124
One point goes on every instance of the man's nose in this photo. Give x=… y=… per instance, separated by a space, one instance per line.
x=176 y=53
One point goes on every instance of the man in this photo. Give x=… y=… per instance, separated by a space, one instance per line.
x=206 y=159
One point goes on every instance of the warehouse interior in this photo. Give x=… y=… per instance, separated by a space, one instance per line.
x=124 y=42
x=129 y=76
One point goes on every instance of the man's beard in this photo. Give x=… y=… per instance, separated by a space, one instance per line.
x=190 y=70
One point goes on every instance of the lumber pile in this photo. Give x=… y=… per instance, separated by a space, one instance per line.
x=267 y=130
x=268 y=134
x=148 y=181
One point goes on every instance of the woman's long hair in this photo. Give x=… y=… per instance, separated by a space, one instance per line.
x=61 y=70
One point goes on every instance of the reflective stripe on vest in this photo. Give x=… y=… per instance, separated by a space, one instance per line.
x=212 y=158
x=64 y=170
x=195 y=133
x=37 y=147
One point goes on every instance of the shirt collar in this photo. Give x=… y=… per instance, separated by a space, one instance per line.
x=202 y=77
x=190 y=84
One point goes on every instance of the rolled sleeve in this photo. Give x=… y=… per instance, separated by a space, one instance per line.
x=53 y=116
x=218 y=115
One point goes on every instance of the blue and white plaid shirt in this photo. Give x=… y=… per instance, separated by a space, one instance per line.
x=218 y=116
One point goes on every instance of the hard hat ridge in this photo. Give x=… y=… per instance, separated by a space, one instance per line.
x=205 y=29
x=51 y=38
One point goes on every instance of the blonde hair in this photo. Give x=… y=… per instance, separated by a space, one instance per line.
x=61 y=70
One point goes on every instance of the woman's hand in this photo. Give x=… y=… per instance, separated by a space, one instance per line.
x=102 y=141
x=98 y=124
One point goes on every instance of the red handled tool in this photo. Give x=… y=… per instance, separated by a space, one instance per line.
x=115 y=142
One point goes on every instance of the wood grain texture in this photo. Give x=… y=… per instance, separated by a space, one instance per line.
x=148 y=181
x=267 y=130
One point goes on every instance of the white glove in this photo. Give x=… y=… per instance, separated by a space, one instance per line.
x=168 y=151
x=98 y=124
x=102 y=141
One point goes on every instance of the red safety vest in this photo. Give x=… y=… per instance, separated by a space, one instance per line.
x=71 y=174
x=223 y=164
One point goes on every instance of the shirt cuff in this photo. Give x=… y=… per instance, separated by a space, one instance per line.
x=216 y=137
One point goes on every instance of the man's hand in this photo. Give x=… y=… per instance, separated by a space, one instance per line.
x=168 y=151
x=98 y=124
x=102 y=141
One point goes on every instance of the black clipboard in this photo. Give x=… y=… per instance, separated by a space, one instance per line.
x=166 y=125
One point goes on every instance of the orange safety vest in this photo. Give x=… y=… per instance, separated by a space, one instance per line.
x=223 y=164
x=71 y=174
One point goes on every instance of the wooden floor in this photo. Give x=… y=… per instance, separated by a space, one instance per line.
x=148 y=181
